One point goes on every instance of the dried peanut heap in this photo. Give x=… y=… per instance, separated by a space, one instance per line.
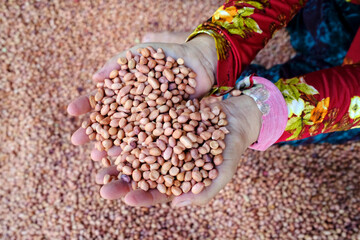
x=167 y=141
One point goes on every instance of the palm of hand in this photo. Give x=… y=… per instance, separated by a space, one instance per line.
x=236 y=141
x=191 y=54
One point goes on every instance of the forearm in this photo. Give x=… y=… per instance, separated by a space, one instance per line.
x=321 y=102
x=240 y=30
x=300 y=107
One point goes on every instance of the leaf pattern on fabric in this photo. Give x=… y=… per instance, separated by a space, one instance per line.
x=345 y=123
x=233 y=16
x=220 y=90
x=309 y=115
x=222 y=45
x=238 y=21
x=304 y=110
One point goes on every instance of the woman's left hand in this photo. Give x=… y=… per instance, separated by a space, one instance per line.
x=244 y=122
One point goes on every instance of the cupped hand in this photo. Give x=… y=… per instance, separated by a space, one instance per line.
x=242 y=114
x=199 y=54
x=244 y=122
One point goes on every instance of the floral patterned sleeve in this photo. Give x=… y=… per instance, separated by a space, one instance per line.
x=320 y=102
x=240 y=30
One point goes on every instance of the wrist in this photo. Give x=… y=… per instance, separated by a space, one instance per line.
x=271 y=104
x=253 y=118
x=245 y=118
x=204 y=46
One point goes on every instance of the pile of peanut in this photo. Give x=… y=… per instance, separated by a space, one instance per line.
x=168 y=142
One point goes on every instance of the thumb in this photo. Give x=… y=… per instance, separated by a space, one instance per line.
x=104 y=72
x=235 y=146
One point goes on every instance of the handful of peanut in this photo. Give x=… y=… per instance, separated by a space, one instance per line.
x=168 y=142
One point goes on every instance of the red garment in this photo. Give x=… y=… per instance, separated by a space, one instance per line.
x=241 y=29
x=319 y=102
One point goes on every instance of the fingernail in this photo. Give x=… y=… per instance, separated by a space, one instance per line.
x=183 y=204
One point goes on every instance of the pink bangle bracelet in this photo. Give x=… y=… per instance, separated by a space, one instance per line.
x=272 y=105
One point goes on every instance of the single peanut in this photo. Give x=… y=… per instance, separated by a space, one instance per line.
x=197 y=188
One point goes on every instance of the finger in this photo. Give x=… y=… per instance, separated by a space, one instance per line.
x=114 y=151
x=79 y=106
x=145 y=198
x=97 y=155
x=79 y=137
x=104 y=72
x=100 y=175
x=112 y=64
x=114 y=190
x=208 y=101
